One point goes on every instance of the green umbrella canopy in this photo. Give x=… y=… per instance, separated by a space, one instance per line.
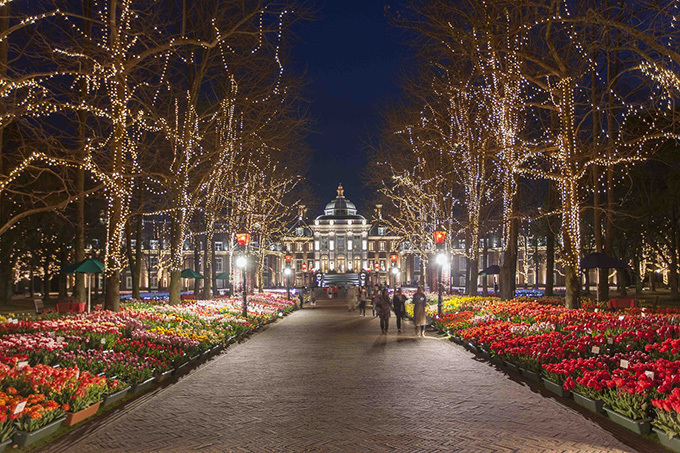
x=222 y=276
x=190 y=273
x=88 y=266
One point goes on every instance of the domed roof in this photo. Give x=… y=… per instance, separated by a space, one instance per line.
x=340 y=207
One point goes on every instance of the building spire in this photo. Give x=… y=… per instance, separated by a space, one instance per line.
x=341 y=191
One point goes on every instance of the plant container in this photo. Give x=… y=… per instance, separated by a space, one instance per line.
x=5 y=444
x=182 y=368
x=142 y=386
x=160 y=377
x=496 y=360
x=26 y=438
x=472 y=348
x=591 y=405
x=530 y=375
x=76 y=417
x=483 y=353
x=672 y=443
x=641 y=426
x=557 y=389
x=512 y=367
x=114 y=397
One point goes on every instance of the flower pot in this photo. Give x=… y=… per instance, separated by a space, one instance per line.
x=26 y=438
x=672 y=443
x=142 y=386
x=512 y=367
x=530 y=375
x=484 y=354
x=160 y=377
x=182 y=368
x=470 y=347
x=117 y=396
x=641 y=426
x=497 y=361
x=591 y=405
x=76 y=417
x=5 y=444
x=557 y=389
x=457 y=340
x=195 y=358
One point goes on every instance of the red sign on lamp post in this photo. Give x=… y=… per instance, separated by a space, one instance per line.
x=242 y=238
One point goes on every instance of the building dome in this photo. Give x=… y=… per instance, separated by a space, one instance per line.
x=340 y=207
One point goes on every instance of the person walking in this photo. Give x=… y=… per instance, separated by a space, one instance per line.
x=398 y=305
x=335 y=292
x=384 y=309
x=376 y=300
x=419 y=305
x=363 y=299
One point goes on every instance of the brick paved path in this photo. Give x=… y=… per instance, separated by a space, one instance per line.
x=326 y=380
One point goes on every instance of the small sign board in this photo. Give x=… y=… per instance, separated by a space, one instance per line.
x=623 y=363
x=20 y=407
x=595 y=350
x=39 y=306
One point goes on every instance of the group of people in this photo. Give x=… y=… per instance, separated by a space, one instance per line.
x=383 y=305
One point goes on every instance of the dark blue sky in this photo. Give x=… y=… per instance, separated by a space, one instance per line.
x=353 y=59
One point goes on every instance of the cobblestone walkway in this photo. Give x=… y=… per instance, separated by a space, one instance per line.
x=326 y=380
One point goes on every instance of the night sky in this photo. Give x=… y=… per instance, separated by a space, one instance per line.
x=353 y=59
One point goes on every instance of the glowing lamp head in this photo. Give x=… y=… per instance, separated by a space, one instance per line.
x=441 y=259
x=439 y=235
x=395 y=271
x=243 y=238
x=288 y=258
x=377 y=266
x=304 y=267
x=241 y=262
x=287 y=271
x=394 y=257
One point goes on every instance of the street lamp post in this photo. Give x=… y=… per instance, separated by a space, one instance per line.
x=393 y=258
x=243 y=239
x=242 y=263
x=287 y=271
x=439 y=239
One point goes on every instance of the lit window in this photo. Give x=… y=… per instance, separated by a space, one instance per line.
x=381 y=244
x=218 y=265
x=153 y=244
x=219 y=246
x=332 y=265
x=381 y=231
x=332 y=247
x=370 y=246
x=349 y=244
x=316 y=245
x=364 y=244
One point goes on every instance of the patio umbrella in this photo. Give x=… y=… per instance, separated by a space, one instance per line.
x=600 y=260
x=190 y=273
x=88 y=266
x=491 y=270
x=222 y=276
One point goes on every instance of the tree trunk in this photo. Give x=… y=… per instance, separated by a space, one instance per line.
x=508 y=274
x=46 y=282
x=485 y=264
x=673 y=271
x=208 y=263
x=571 y=280
x=197 y=266
x=31 y=284
x=137 y=272
x=550 y=242
x=176 y=257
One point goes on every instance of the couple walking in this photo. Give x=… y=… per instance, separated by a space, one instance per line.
x=383 y=306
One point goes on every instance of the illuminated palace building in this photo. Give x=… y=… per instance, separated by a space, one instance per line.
x=341 y=245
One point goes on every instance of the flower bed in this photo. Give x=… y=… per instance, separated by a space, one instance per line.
x=53 y=365
x=628 y=360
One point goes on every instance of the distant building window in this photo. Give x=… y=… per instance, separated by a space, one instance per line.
x=299 y=231
x=381 y=244
x=316 y=245
x=153 y=243
x=128 y=282
x=153 y=261
x=381 y=231
x=371 y=246
x=349 y=244
x=463 y=263
x=153 y=282
x=219 y=246
x=324 y=242
x=133 y=243
x=219 y=263
x=382 y=265
x=298 y=265
x=341 y=243
x=332 y=247
x=298 y=246
x=364 y=244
